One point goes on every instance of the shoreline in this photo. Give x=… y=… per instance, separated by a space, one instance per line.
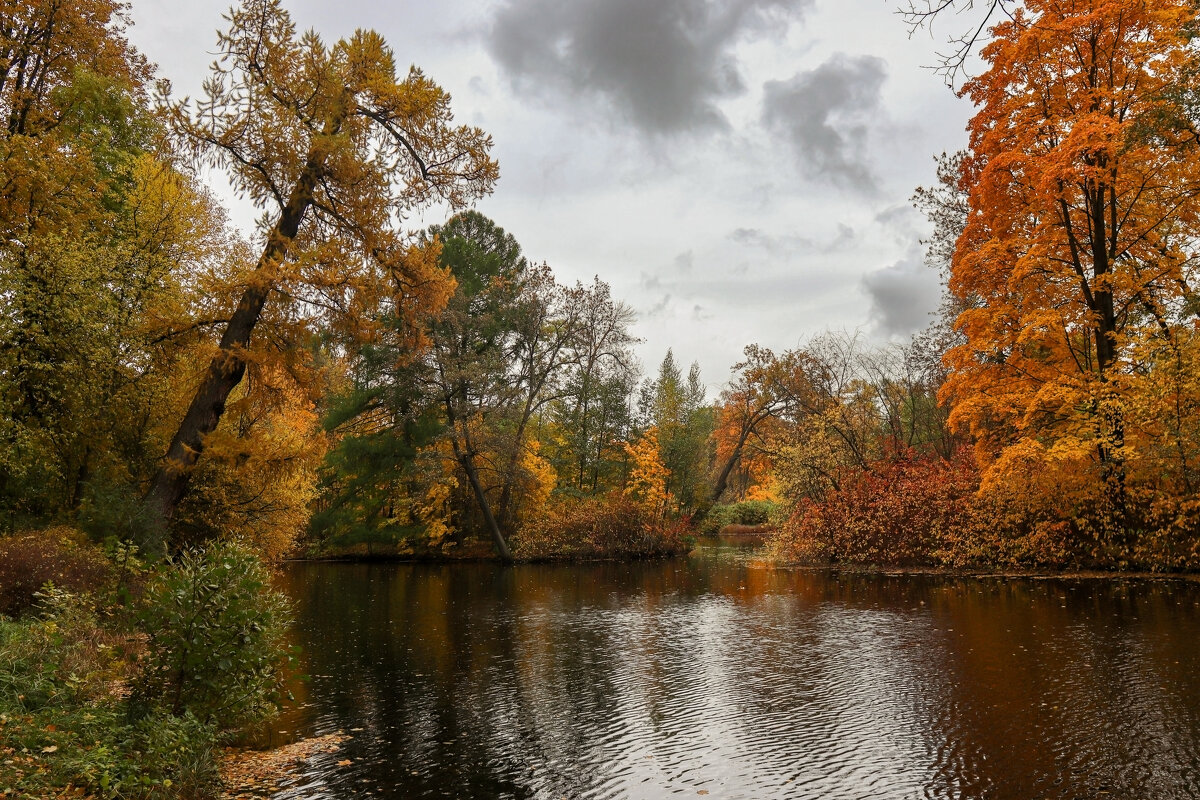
x=986 y=572
x=476 y=558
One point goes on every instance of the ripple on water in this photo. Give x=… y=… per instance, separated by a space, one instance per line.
x=718 y=676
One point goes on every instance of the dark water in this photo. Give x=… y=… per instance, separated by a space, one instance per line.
x=717 y=675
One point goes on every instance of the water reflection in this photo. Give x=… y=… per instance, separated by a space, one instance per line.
x=718 y=675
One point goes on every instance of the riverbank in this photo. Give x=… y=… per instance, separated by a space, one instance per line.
x=986 y=572
x=248 y=773
x=592 y=529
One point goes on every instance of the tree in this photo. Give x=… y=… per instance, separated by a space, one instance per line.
x=675 y=408
x=747 y=405
x=648 y=476
x=594 y=412
x=473 y=344
x=44 y=46
x=377 y=477
x=101 y=244
x=1078 y=258
x=336 y=149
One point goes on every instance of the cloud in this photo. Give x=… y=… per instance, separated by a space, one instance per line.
x=661 y=65
x=826 y=113
x=903 y=295
x=659 y=307
x=789 y=245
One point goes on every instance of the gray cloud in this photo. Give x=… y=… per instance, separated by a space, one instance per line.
x=658 y=308
x=902 y=295
x=825 y=114
x=660 y=64
x=786 y=245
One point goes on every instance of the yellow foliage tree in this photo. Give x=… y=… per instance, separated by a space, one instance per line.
x=648 y=476
x=337 y=148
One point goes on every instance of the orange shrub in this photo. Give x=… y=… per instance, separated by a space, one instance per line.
x=933 y=512
x=901 y=512
x=612 y=526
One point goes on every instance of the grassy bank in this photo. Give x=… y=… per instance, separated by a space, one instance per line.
x=128 y=683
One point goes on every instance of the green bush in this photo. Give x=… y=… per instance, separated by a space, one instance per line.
x=211 y=663
x=746 y=512
x=165 y=757
x=66 y=723
x=216 y=647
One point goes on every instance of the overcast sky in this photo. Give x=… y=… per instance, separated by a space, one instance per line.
x=738 y=170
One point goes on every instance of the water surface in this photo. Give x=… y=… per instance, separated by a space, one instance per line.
x=718 y=675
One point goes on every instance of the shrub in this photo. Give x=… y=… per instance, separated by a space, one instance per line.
x=165 y=757
x=745 y=512
x=612 y=526
x=58 y=555
x=64 y=716
x=216 y=646
x=931 y=511
x=900 y=512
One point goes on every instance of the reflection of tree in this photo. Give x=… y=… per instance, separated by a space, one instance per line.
x=564 y=679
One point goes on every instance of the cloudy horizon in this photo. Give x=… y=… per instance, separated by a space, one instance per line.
x=739 y=171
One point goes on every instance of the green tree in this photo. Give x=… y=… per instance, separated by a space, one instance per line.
x=676 y=408
x=479 y=365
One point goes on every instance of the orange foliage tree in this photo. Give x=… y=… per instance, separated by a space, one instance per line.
x=747 y=408
x=1076 y=265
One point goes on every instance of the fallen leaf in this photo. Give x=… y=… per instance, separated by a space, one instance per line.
x=51 y=749
x=345 y=762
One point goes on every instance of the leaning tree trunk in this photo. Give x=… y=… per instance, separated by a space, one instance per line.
x=467 y=461
x=748 y=427
x=228 y=366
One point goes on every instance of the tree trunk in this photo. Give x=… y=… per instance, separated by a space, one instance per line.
x=726 y=471
x=464 y=453
x=1112 y=458
x=734 y=457
x=228 y=366
x=468 y=464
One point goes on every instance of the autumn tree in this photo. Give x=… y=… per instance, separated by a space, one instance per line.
x=649 y=476
x=675 y=406
x=593 y=414
x=746 y=407
x=336 y=148
x=1077 y=262
x=102 y=249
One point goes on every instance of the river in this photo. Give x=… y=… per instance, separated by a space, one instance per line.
x=719 y=675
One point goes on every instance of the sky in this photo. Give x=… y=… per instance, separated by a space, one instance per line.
x=739 y=171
